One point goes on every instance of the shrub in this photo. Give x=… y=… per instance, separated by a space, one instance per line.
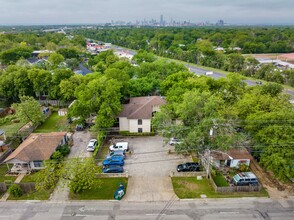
x=243 y=167
x=64 y=150
x=57 y=155
x=15 y=190
x=126 y=133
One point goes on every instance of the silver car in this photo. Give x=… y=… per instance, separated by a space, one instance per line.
x=116 y=153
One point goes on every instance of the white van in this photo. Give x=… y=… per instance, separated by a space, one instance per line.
x=119 y=146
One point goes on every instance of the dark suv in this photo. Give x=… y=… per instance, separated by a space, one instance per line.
x=188 y=167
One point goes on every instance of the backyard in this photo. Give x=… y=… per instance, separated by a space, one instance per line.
x=190 y=187
x=54 y=123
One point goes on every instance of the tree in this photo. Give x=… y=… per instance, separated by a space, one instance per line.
x=41 y=80
x=29 y=110
x=81 y=173
x=54 y=60
x=77 y=174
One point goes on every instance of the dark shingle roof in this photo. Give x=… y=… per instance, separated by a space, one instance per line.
x=141 y=107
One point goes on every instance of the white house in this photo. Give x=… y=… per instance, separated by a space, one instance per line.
x=31 y=153
x=136 y=116
x=231 y=158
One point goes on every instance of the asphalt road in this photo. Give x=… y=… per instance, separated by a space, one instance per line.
x=228 y=209
x=202 y=71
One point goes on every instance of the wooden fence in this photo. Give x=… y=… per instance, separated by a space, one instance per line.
x=5 y=155
x=229 y=189
x=26 y=187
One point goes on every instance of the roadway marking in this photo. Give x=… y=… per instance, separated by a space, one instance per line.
x=155 y=214
x=229 y=212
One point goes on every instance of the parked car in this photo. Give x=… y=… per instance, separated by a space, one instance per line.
x=92 y=145
x=174 y=141
x=80 y=127
x=245 y=179
x=188 y=167
x=116 y=153
x=119 y=146
x=113 y=169
x=114 y=161
x=258 y=82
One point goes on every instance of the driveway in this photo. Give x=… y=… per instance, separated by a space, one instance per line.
x=80 y=142
x=149 y=165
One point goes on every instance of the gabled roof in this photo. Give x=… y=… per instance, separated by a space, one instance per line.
x=239 y=153
x=235 y=153
x=38 y=146
x=141 y=107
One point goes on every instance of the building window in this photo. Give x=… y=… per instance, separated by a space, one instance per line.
x=38 y=163
x=139 y=121
x=140 y=130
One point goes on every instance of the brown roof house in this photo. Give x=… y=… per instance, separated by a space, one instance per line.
x=31 y=153
x=136 y=116
x=231 y=158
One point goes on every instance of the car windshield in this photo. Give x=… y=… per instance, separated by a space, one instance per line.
x=185 y=166
x=237 y=177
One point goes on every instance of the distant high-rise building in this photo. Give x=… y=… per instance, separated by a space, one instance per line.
x=161 y=20
x=220 y=23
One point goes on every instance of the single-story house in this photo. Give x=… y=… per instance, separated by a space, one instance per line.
x=231 y=158
x=136 y=116
x=31 y=153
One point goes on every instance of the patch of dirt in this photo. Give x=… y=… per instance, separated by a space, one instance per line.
x=188 y=185
x=276 y=189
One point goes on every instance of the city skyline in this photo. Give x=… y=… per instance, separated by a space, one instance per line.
x=26 y=12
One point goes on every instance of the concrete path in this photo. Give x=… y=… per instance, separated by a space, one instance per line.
x=149 y=166
x=80 y=142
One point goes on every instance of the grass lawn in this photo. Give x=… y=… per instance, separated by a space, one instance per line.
x=12 y=128
x=42 y=195
x=29 y=178
x=190 y=187
x=220 y=180
x=102 y=155
x=107 y=188
x=54 y=123
x=3 y=170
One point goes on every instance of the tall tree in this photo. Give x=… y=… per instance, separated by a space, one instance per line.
x=29 y=110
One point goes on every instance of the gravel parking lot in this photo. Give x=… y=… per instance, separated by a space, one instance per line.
x=149 y=165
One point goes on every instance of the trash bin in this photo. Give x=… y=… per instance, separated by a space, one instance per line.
x=120 y=192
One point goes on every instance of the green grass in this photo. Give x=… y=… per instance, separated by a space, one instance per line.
x=12 y=128
x=3 y=170
x=102 y=155
x=29 y=178
x=107 y=188
x=41 y=195
x=220 y=180
x=53 y=124
x=190 y=187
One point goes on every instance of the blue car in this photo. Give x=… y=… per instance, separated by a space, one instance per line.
x=116 y=160
x=113 y=169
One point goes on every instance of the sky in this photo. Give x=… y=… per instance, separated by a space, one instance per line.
x=26 y=12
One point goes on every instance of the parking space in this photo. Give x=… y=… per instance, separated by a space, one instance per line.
x=149 y=165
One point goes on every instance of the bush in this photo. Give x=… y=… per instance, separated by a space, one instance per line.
x=15 y=190
x=126 y=133
x=57 y=155
x=64 y=150
x=243 y=167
